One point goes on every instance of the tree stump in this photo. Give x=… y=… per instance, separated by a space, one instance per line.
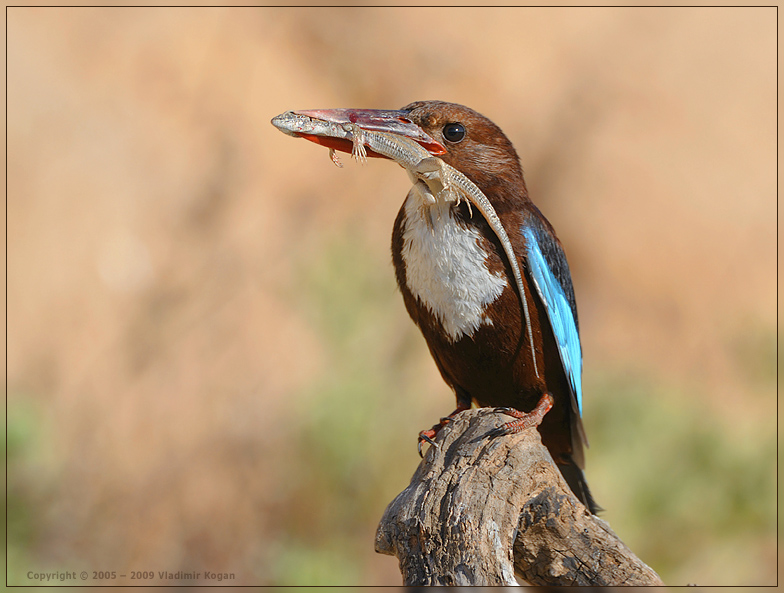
x=481 y=510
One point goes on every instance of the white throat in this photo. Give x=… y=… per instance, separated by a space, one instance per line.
x=446 y=267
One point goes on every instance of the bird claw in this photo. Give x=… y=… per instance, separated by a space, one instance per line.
x=430 y=434
x=523 y=419
x=499 y=431
x=423 y=437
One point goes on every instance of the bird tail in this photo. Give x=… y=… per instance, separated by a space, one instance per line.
x=575 y=477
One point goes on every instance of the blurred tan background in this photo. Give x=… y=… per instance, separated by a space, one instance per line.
x=209 y=367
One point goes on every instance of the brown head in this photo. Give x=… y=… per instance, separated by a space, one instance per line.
x=474 y=145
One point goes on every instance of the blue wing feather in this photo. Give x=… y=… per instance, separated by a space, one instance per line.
x=550 y=273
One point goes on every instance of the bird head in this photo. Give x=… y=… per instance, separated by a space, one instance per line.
x=461 y=137
x=473 y=144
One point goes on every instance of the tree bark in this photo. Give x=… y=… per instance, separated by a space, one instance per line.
x=481 y=510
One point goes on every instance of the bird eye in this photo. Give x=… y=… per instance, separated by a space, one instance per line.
x=454 y=132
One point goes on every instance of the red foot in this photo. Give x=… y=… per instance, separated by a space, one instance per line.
x=524 y=420
x=428 y=436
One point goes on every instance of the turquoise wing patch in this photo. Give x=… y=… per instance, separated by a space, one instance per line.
x=560 y=309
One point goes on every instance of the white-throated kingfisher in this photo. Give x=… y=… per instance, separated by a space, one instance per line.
x=459 y=287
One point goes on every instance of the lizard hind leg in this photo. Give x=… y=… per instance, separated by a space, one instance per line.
x=358 y=150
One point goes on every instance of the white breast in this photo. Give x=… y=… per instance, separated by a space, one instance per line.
x=446 y=267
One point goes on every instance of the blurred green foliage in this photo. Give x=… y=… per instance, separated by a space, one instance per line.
x=26 y=437
x=677 y=477
x=349 y=450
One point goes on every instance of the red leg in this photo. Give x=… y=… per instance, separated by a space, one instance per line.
x=430 y=434
x=524 y=420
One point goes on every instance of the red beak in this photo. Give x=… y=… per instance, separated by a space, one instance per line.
x=377 y=120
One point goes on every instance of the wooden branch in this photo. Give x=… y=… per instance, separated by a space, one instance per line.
x=480 y=510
